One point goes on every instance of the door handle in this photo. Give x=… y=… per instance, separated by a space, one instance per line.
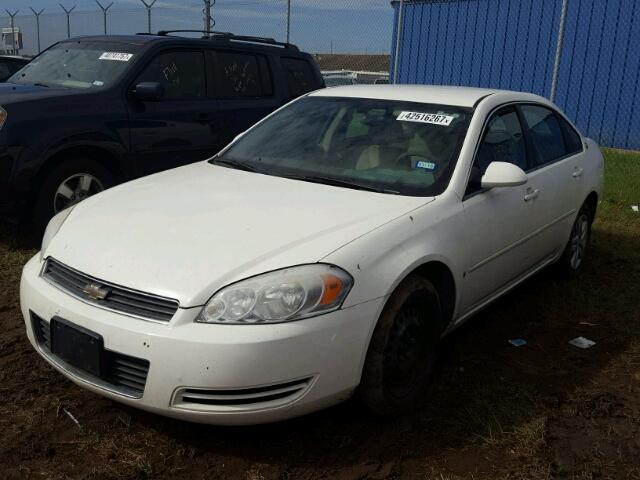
x=531 y=194
x=577 y=172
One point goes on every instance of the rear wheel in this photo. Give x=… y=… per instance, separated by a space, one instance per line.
x=404 y=348
x=69 y=183
x=572 y=260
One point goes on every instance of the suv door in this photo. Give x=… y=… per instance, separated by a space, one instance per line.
x=179 y=128
x=557 y=153
x=243 y=89
x=501 y=222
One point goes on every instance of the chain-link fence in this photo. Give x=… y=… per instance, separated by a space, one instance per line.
x=352 y=35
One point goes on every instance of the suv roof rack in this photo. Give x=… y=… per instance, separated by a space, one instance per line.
x=208 y=35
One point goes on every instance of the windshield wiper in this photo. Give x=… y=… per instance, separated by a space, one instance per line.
x=340 y=183
x=237 y=164
x=38 y=84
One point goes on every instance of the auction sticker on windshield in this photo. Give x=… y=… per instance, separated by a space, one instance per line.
x=117 y=56
x=432 y=118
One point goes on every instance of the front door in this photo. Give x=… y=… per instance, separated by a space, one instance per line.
x=180 y=128
x=500 y=222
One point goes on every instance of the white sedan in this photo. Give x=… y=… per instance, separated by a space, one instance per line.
x=325 y=252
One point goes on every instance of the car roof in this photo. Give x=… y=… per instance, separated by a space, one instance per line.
x=440 y=95
x=14 y=57
x=145 y=38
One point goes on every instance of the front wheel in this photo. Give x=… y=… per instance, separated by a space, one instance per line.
x=66 y=185
x=403 y=350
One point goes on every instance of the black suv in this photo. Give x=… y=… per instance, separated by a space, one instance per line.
x=91 y=112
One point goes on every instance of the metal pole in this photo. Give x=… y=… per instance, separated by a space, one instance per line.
x=559 y=44
x=13 y=30
x=288 y=20
x=104 y=14
x=68 y=12
x=37 y=14
x=399 y=29
x=148 y=5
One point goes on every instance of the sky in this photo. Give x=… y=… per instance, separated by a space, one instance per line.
x=317 y=26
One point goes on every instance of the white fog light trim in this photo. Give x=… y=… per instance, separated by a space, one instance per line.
x=280 y=296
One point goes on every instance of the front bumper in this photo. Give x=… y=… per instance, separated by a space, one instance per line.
x=325 y=353
x=14 y=188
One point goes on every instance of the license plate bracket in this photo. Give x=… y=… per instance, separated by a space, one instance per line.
x=78 y=346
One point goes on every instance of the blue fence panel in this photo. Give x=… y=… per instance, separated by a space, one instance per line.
x=512 y=43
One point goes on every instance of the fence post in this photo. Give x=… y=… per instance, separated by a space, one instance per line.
x=104 y=14
x=148 y=5
x=288 y=20
x=13 y=30
x=399 y=30
x=37 y=14
x=559 y=45
x=209 y=23
x=68 y=12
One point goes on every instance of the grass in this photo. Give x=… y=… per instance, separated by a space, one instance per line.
x=545 y=410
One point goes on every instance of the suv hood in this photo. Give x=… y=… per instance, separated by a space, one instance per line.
x=15 y=93
x=187 y=232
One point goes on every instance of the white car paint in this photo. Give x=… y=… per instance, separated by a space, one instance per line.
x=188 y=232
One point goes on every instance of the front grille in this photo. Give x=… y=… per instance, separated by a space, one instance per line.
x=242 y=396
x=122 y=373
x=119 y=299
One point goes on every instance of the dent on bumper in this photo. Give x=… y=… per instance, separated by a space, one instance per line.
x=318 y=360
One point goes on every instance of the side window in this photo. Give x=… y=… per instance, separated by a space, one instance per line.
x=572 y=139
x=182 y=74
x=241 y=75
x=503 y=141
x=545 y=133
x=300 y=76
x=5 y=71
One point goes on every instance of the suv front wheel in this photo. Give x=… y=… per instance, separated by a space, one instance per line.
x=68 y=184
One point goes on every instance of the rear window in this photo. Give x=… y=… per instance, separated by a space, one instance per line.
x=241 y=75
x=300 y=76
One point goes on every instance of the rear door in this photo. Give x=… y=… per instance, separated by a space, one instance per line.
x=556 y=153
x=180 y=128
x=243 y=88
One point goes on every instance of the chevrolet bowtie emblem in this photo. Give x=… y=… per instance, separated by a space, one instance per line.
x=95 y=292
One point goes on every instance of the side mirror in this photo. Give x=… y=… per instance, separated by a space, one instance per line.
x=503 y=174
x=148 y=91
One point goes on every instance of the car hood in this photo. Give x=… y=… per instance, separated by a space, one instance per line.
x=11 y=93
x=187 y=232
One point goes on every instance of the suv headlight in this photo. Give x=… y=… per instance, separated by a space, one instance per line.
x=3 y=117
x=280 y=296
x=52 y=228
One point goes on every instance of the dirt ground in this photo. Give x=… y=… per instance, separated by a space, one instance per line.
x=543 y=410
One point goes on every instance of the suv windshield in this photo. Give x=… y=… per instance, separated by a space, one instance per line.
x=78 y=65
x=389 y=146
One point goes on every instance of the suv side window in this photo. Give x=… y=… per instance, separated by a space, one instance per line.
x=241 y=75
x=300 y=76
x=182 y=73
x=545 y=133
x=503 y=141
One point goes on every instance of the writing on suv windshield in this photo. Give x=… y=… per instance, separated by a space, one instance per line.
x=406 y=148
x=79 y=65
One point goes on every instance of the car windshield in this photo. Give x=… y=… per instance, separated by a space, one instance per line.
x=79 y=65
x=389 y=146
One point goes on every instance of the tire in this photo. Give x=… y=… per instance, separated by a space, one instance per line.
x=571 y=262
x=71 y=172
x=403 y=350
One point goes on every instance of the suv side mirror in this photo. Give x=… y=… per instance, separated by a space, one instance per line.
x=503 y=174
x=148 y=91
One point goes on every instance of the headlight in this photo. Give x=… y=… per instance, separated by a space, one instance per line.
x=3 y=117
x=281 y=296
x=53 y=227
